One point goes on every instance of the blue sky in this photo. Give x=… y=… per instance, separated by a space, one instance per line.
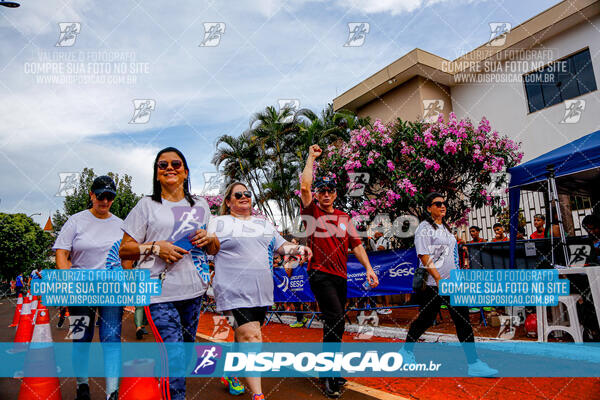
x=270 y=50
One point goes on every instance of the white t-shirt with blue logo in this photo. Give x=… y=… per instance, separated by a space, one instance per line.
x=440 y=245
x=89 y=239
x=244 y=264
x=151 y=221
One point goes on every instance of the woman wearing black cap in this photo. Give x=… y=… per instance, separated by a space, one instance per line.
x=91 y=239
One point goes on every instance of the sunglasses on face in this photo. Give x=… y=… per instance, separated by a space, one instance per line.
x=326 y=190
x=439 y=204
x=176 y=164
x=238 y=195
x=106 y=196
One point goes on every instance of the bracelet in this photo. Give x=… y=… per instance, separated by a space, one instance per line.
x=147 y=249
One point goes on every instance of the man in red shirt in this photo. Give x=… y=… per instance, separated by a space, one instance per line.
x=474 y=231
x=538 y=223
x=499 y=231
x=330 y=233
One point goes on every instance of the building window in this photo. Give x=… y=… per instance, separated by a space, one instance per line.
x=560 y=81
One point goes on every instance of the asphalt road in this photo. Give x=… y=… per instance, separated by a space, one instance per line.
x=197 y=388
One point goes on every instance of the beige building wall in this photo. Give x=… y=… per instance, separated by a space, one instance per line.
x=406 y=101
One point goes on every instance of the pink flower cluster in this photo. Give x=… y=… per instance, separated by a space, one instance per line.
x=430 y=164
x=407 y=186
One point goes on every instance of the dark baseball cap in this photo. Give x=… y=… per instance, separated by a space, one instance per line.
x=103 y=184
x=325 y=181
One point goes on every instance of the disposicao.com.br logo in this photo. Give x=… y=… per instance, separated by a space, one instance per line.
x=351 y=362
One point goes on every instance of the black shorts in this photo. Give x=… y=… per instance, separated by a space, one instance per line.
x=242 y=316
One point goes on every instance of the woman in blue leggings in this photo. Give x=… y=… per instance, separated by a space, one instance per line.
x=169 y=215
x=90 y=239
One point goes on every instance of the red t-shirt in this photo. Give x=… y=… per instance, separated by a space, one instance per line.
x=481 y=240
x=330 y=236
x=536 y=235
x=502 y=240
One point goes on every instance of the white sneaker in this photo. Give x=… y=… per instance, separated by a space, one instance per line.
x=384 y=311
x=481 y=369
x=408 y=357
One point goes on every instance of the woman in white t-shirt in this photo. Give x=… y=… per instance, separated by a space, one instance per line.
x=243 y=281
x=90 y=240
x=172 y=215
x=437 y=251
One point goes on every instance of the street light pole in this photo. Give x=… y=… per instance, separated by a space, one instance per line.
x=35 y=214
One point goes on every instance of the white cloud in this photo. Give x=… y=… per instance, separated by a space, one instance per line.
x=393 y=7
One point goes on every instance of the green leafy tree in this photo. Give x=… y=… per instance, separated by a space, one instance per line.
x=23 y=246
x=80 y=199
x=270 y=155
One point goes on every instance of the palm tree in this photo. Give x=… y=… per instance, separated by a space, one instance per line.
x=271 y=153
x=238 y=157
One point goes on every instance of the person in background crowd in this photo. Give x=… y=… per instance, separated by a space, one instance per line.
x=521 y=234
x=19 y=285
x=90 y=240
x=291 y=262
x=437 y=251
x=330 y=234
x=539 y=223
x=141 y=321
x=499 y=231
x=380 y=242
x=149 y=232
x=475 y=231
x=243 y=281
x=591 y=223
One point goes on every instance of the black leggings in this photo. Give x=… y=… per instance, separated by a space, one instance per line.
x=330 y=293
x=430 y=302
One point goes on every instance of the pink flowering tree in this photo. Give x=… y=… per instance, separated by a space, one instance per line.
x=407 y=160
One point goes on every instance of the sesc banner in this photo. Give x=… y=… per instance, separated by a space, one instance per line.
x=394 y=268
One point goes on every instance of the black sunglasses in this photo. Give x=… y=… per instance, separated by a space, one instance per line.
x=238 y=195
x=106 y=196
x=326 y=190
x=439 y=204
x=176 y=164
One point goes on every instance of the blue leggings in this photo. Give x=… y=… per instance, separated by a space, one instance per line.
x=177 y=321
x=82 y=330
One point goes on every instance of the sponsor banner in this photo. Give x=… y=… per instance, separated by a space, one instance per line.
x=511 y=359
x=394 y=268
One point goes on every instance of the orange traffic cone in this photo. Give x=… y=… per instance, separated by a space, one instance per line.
x=34 y=306
x=138 y=388
x=40 y=363
x=25 y=328
x=17 y=314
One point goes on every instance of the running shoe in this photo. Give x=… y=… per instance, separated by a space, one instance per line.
x=331 y=388
x=114 y=396
x=258 y=396
x=341 y=381
x=139 y=334
x=83 y=392
x=443 y=306
x=408 y=357
x=234 y=385
x=488 y=308
x=474 y=310
x=299 y=324
x=481 y=370
x=384 y=311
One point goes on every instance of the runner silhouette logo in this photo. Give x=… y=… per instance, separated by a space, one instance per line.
x=207 y=359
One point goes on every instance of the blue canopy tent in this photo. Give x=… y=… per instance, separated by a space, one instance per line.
x=575 y=166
